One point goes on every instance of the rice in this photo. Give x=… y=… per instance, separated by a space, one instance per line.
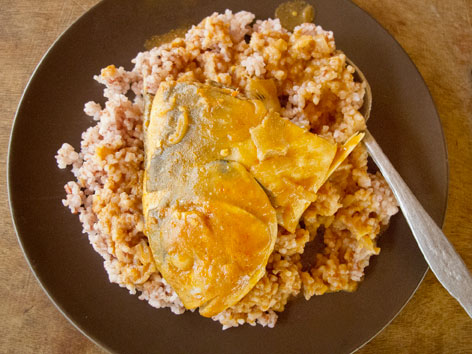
x=317 y=92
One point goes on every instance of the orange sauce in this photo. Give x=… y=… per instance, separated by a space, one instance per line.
x=160 y=39
x=294 y=13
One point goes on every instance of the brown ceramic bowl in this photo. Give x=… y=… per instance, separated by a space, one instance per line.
x=403 y=120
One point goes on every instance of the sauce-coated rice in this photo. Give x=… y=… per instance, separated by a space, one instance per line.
x=317 y=92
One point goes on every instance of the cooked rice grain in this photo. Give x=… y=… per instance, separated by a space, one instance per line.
x=317 y=92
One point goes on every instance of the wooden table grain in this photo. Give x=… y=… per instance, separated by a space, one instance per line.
x=437 y=35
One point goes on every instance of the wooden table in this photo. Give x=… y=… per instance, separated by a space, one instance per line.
x=437 y=35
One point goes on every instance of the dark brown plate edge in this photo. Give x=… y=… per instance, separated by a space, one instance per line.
x=9 y=176
x=446 y=166
x=38 y=278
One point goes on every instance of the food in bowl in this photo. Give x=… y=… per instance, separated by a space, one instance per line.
x=270 y=81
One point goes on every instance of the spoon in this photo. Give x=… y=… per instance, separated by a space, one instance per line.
x=439 y=253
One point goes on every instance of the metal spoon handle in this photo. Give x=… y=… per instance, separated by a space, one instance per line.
x=441 y=256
